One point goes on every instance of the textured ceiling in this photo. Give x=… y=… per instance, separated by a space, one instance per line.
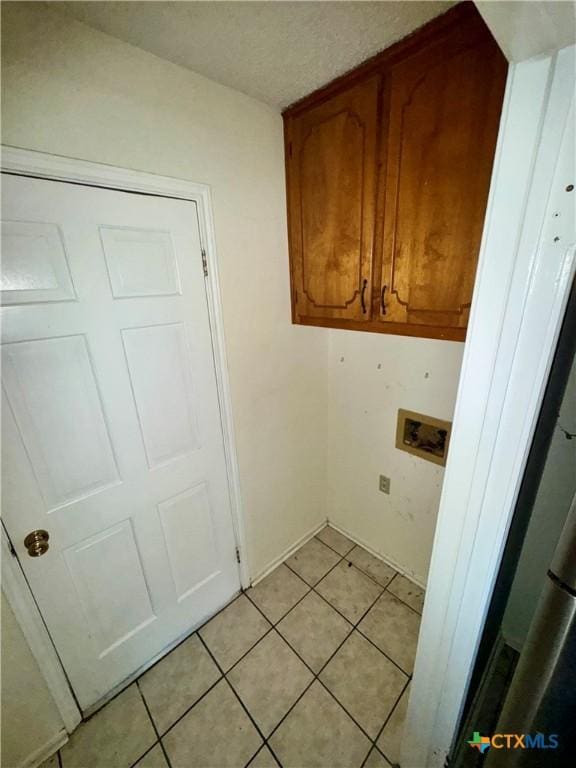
x=274 y=51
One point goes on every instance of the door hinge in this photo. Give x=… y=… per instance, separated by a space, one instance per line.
x=204 y=263
x=237 y=554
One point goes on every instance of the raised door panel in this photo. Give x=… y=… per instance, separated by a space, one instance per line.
x=188 y=525
x=159 y=368
x=107 y=573
x=444 y=107
x=331 y=188
x=52 y=390
x=34 y=264
x=141 y=262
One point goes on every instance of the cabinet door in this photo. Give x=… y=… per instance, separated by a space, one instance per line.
x=444 y=107
x=331 y=170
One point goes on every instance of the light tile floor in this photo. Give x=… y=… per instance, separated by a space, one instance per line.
x=309 y=668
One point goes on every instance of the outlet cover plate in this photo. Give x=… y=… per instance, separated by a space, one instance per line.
x=384 y=484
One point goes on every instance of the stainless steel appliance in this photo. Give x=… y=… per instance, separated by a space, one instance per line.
x=542 y=696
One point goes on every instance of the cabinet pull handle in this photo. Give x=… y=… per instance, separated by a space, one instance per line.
x=382 y=302
x=362 y=295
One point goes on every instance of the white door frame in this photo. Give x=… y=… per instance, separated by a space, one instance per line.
x=57 y=168
x=17 y=592
x=526 y=268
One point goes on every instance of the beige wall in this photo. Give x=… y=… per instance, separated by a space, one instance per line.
x=73 y=91
x=30 y=719
x=370 y=377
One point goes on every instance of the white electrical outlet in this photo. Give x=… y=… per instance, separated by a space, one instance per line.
x=384 y=484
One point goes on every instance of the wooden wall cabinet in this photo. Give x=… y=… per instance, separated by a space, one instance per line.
x=388 y=170
x=332 y=201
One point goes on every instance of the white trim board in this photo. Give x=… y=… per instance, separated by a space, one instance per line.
x=526 y=268
x=310 y=535
x=386 y=560
x=17 y=592
x=39 y=756
x=54 y=167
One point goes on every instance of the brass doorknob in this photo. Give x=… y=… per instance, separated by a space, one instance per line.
x=37 y=543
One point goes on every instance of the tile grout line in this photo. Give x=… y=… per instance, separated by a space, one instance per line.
x=357 y=568
x=153 y=726
x=316 y=675
x=255 y=755
x=357 y=628
x=251 y=648
x=164 y=656
x=340 y=558
x=255 y=724
x=382 y=588
x=316 y=536
x=391 y=580
x=223 y=675
x=143 y=755
x=385 y=723
x=198 y=700
x=310 y=589
x=358 y=546
x=315 y=678
x=418 y=613
x=374 y=748
x=380 y=560
x=394 y=577
x=354 y=626
x=272 y=627
x=292 y=706
x=255 y=604
x=313 y=588
x=363 y=763
x=408 y=674
x=260 y=733
x=193 y=632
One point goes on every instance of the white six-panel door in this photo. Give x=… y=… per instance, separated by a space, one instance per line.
x=112 y=440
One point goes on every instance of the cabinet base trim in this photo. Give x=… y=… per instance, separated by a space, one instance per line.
x=398 y=329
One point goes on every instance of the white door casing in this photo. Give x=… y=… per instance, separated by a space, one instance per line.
x=112 y=433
